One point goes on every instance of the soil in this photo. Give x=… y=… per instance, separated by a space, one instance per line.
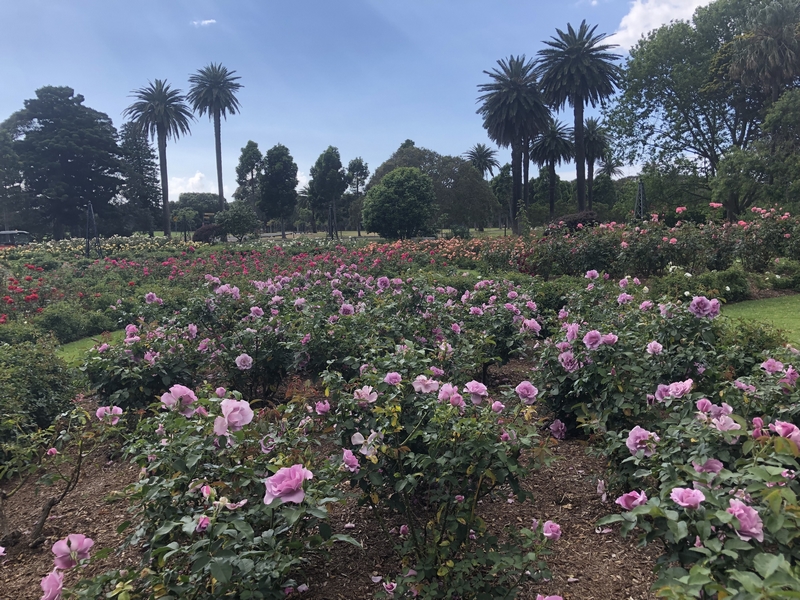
x=587 y=563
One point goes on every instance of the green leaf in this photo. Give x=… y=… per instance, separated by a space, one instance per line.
x=767 y=564
x=164 y=529
x=221 y=571
x=123 y=526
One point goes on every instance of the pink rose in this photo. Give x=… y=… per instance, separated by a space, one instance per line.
x=423 y=385
x=235 y=415
x=750 y=525
x=640 y=439
x=527 y=392
x=179 y=397
x=593 y=339
x=322 y=408
x=551 y=531
x=712 y=465
x=202 y=524
x=631 y=500
x=75 y=547
x=52 y=585
x=686 y=497
x=393 y=378
x=109 y=413
x=350 y=461
x=244 y=362
x=654 y=348
x=476 y=391
x=287 y=484
x=497 y=406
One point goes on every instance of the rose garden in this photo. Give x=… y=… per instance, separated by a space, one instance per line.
x=259 y=388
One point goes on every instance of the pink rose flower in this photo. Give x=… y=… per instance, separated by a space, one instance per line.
x=393 y=378
x=592 y=274
x=704 y=405
x=181 y=398
x=52 y=585
x=75 y=547
x=551 y=531
x=609 y=339
x=476 y=391
x=424 y=385
x=593 y=339
x=365 y=394
x=641 y=439
x=202 y=524
x=572 y=331
x=654 y=348
x=287 y=484
x=631 y=500
x=244 y=362
x=686 y=497
x=235 y=415
x=772 y=366
x=750 y=525
x=350 y=461
x=109 y=413
x=322 y=408
x=558 y=429
x=540 y=597
x=527 y=392
x=497 y=406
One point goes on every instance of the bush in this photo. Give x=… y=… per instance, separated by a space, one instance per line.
x=35 y=386
x=207 y=233
x=69 y=322
x=401 y=205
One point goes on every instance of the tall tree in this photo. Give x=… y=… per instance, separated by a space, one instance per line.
x=141 y=176
x=513 y=112
x=768 y=54
x=68 y=155
x=401 y=205
x=609 y=165
x=483 y=158
x=552 y=147
x=596 y=144
x=10 y=179
x=577 y=69
x=162 y=112
x=213 y=91
x=328 y=183
x=248 y=172
x=278 y=185
x=357 y=174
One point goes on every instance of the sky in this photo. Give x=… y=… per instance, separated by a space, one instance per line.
x=360 y=75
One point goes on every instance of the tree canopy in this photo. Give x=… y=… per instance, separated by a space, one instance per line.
x=68 y=156
x=402 y=205
x=278 y=185
x=328 y=183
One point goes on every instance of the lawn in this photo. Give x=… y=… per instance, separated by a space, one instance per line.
x=782 y=312
x=74 y=352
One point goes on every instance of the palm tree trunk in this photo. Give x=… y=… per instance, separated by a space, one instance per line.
x=516 y=187
x=551 y=169
x=589 y=180
x=162 y=163
x=580 y=154
x=218 y=149
x=283 y=229
x=526 y=160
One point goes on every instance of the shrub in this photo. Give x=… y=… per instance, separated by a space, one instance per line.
x=69 y=322
x=207 y=233
x=401 y=205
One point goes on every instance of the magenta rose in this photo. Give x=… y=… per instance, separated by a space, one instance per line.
x=750 y=525
x=287 y=484
x=75 y=547
x=686 y=497
x=631 y=500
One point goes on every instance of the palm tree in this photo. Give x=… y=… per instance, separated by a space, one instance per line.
x=213 y=91
x=513 y=112
x=162 y=113
x=596 y=143
x=769 y=54
x=577 y=70
x=552 y=147
x=610 y=165
x=483 y=158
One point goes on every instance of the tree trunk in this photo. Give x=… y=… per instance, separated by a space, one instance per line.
x=580 y=155
x=551 y=168
x=162 y=163
x=516 y=187
x=218 y=149
x=526 y=159
x=283 y=229
x=589 y=180
x=313 y=220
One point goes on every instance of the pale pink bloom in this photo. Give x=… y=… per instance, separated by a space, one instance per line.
x=109 y=413
x=532 y=325
x=52 y=585
x=540 y=597
x=592 y=274
x=703 y=307
x=704 y=405
x=497 y=406
x=50 y=452
x=646 y=305
x=179 y=397
x=623 y=283
x=350 y=461
x=206 y=491
x=202 y=524
x=593 y=339
x=572 y=331
x=680 y=209
x=446 y=391
x=322 y=408
x=772 y=366
x=456 y=328
x=287 y=484
x=725 y=423
x=654 y=348
x=235 y=415
x=346 y=309
x=220 y=392
x=476 y=391
x=457 y=400
x=103 y=347
x=423 y=385
x=679 y=389
x=569 y=362
x=631 y=500
x=527 y=392
x=624 y=298
x=686 y=497
x=75 y=547
x=551 y=531
x=750 y=525
x=786 y=430
x=712 y=465
x=609 y=339
x=393 y=378
x=244 y=362
x=641 y=439
x=365 y=394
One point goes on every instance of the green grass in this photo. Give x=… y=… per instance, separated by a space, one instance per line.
x=782 y=312
x=74 y=352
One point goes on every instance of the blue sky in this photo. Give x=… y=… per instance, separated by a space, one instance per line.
x=361 y=75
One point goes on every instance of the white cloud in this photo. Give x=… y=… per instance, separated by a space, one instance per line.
x=204 y=23
x=196 y=183
x=646 y=15
x=302 y=179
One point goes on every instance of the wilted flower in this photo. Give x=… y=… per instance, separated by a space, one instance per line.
x=52 y=585
x=75 y=547
x=558 y=429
